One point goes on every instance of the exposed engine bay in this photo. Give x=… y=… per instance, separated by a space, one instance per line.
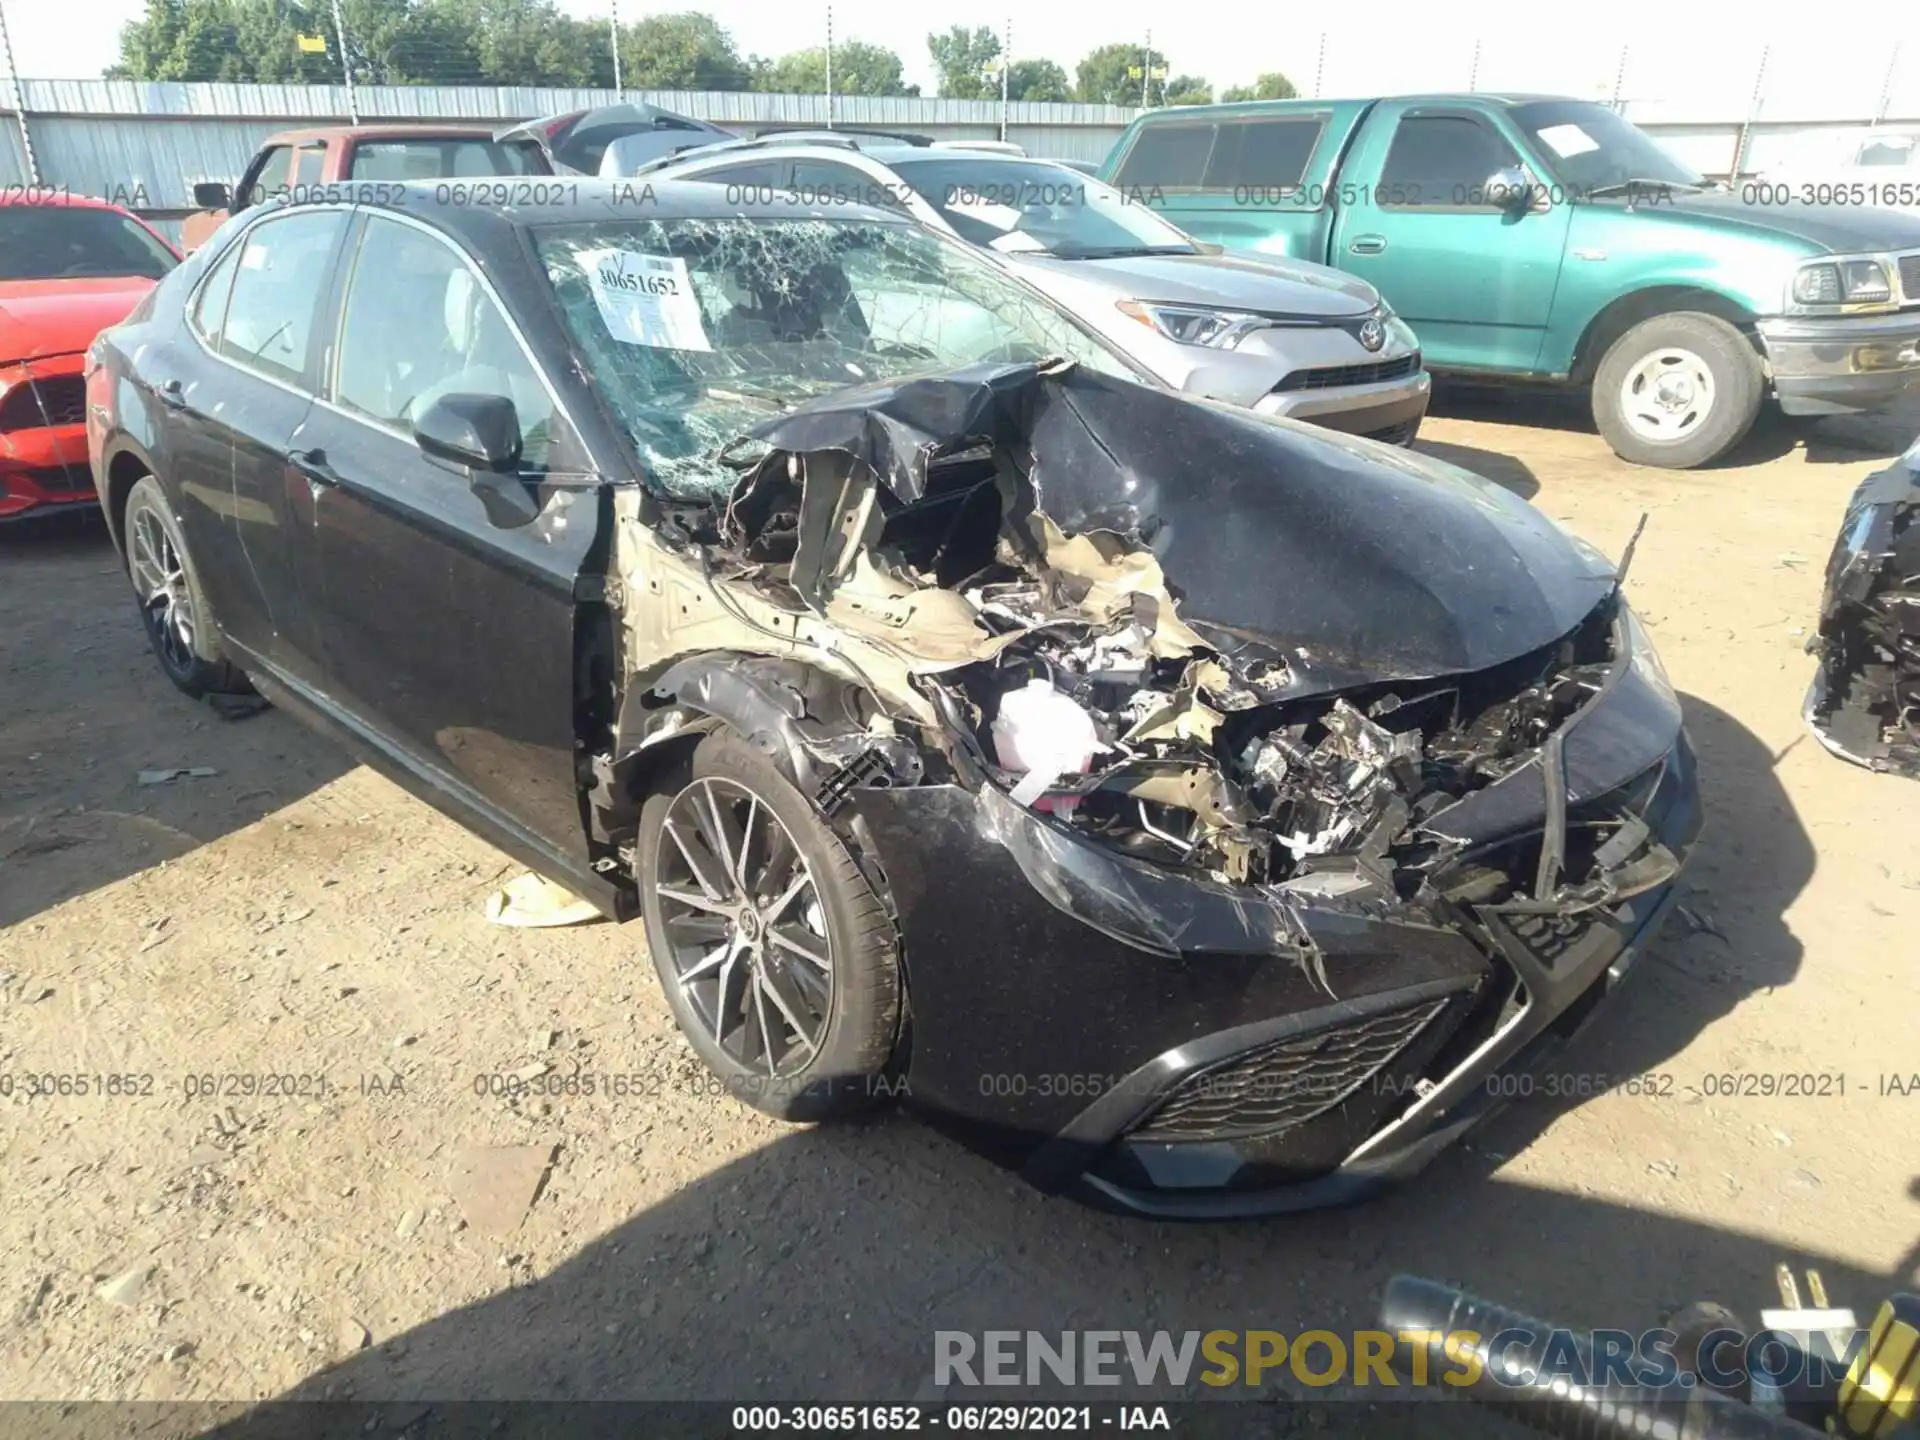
x=953 y=547
x=1865 y=701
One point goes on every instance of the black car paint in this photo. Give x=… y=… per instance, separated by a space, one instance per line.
x=452 y=650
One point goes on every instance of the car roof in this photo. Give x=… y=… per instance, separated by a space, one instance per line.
x=447 y=205
x=813 y=147
x=418 y=130
x=1177 y=113
x=48 y=195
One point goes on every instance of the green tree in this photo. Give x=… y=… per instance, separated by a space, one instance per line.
x=1038 y=80
x=1270 y=86
x=1188 y=90
x=962 y=56
x=858 y=69
x=1103 y=78
x=685 y=51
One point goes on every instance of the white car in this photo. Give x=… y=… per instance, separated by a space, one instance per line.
x=1875 y=168
x=1282 y=337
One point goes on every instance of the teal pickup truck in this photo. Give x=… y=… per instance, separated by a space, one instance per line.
x=1537 y=239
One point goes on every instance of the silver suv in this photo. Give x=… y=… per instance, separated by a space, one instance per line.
x=1283 y=337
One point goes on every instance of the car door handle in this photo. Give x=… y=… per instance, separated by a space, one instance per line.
x=313 y=464
x=1368 y=244
x=172 y=394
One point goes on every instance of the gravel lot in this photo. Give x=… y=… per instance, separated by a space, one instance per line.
x=295 y=914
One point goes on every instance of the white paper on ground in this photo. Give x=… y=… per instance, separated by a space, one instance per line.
x=646 y=299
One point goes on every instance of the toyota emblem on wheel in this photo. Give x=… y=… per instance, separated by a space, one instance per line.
x=1372 y=334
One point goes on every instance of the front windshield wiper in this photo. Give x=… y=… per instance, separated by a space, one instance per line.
x=1629 y=187
x=1121 y=252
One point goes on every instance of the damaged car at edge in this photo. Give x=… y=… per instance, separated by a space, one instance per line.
x=1193 y=809
x=1864 y=702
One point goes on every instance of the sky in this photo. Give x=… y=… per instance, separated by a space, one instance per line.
x=1709 y=53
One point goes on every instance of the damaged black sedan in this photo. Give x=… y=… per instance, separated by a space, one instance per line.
x=1864 y=702
x=1198 y=811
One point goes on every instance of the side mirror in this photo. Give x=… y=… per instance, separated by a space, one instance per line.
x=212 y=195
x=1510 y=188
x=478 y=431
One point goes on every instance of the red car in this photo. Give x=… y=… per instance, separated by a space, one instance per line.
x=69 y=267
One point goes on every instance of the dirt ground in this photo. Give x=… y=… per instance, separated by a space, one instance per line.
x=292 y=914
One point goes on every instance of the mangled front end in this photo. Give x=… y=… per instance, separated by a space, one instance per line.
x=1245 y=797
x=1864 y=703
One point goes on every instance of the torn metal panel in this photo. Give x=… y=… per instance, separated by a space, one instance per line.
x=1864 y=702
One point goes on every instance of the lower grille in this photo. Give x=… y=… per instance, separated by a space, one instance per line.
x=1401 y=434
x=1286 y=1083
x=60 y=400
x=1910 y=276
x=1332 y=377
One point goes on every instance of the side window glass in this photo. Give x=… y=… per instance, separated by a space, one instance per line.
x=309 y=163
x=1442 y=162
x=278 y=287
x=762 y=174
x=821 y=182
x=1167 y=155
x=275 y=172
x=210 y=309
x=419 y=325
x=1263 y=153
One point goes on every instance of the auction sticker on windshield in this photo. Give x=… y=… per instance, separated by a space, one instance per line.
x=646 y=299
x=1568 y=141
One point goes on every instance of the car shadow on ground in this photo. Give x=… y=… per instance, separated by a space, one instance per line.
x=819 y=1267
x=83 y=686
x=1504 y=470
x=1833 y=440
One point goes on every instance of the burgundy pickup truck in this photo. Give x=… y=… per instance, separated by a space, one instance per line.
x=330 y=153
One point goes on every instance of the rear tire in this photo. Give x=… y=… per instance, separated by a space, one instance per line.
x=173 y=607
x=796 y=1007
x=1677 y=391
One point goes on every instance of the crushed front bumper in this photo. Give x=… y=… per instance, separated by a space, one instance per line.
x=1176 y=1047
x=1844 y=365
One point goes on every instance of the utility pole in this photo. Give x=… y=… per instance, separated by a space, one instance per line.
x=346 y=64
x=1620 y=78
x=1146 y=70
x=613 y=24
x=1473 y=68
x=829 y=67
x=1753 y=109
x=1320 y=65
x=1879 y=111
x=1006 y=70
x=19 y=101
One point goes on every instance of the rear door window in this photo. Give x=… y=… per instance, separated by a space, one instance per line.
x=1442 y=162
x=278 y=287
x=210 y=307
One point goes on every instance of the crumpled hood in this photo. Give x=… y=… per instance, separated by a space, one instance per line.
x=1355 y=562
x=1229 y=282
x=61 y=317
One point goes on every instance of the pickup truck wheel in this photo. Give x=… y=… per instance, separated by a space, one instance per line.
x=779 y=962
x=1677 y=391
x=173 y=608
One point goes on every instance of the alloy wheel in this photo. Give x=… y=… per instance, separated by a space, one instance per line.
x=745 y=927
x=160 y=580
x=1667 y=395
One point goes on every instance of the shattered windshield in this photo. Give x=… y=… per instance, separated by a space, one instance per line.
x=696 y=330
x=1016 y=205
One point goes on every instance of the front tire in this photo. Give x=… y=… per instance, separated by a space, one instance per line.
x=173 y=606
x=779 y=962
x=1677 y=391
